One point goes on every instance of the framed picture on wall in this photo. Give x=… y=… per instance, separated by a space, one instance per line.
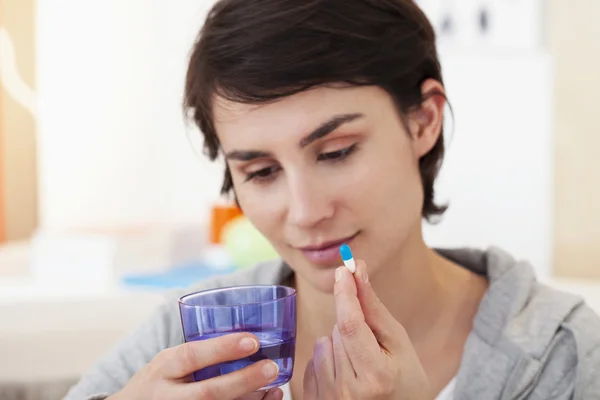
x=496 y=25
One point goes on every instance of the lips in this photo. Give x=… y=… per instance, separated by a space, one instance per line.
x=327 y=252
x=327 y=245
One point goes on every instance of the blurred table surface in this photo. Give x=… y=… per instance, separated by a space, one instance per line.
x=55 y=332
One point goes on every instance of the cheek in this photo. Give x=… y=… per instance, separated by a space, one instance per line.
x=388 y=187
x=262 y=206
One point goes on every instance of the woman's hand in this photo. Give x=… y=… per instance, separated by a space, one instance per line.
x=369 y=355
x=167 y=375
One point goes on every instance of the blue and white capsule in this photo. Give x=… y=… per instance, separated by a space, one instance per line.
x=346 y=254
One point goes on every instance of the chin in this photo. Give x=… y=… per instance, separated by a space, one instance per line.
x=321 y=277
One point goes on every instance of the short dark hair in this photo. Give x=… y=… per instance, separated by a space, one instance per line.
x=258 y=51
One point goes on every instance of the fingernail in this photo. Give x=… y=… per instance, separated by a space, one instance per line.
x=365 y=275
x=270 y=370
x=248 y=344
x=319 y=346
x=320 y=342
x=338 y=274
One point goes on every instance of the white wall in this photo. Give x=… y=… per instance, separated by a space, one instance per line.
x=114 y=150
x=113 y=147
x=497 y=175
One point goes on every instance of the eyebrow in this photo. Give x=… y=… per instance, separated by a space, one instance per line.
x=326 y=128
x=246 y=155
x=323 y=130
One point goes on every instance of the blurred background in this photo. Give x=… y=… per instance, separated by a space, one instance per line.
x=107 y=203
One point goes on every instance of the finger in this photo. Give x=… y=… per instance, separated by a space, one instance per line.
x=309 y=384
x=234 y=384
x=260 y=395
x=274 y=394
x=324 y=366
x=343 y=366
x=183 y=360
x=384 y=326
x=358 y=339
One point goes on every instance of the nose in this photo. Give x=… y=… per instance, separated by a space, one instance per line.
x=308 y=203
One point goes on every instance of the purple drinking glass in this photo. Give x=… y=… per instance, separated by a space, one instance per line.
x=267 y=311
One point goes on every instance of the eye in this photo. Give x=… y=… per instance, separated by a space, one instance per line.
x=262 y=175
x=337 y=155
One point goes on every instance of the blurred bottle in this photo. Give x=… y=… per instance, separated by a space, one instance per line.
x=216 y=255
x=221 y=214
x=234 y=240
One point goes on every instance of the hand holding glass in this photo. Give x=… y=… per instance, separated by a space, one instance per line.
x=267 y=311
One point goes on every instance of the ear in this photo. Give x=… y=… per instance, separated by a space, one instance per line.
x=426 y=121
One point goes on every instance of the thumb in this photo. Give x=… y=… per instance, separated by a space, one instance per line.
x=385 y=327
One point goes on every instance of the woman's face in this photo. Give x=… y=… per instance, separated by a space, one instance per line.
x=325 y=167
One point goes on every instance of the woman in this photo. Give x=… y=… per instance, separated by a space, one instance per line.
x=329 y=115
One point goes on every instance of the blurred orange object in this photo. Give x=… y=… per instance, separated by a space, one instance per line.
x=220 y=216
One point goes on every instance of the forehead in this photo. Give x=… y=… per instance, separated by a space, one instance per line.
x=297 y=113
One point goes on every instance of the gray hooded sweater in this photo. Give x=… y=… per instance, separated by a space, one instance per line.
x=528 y=341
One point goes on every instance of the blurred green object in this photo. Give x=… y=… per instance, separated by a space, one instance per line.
x=245 y=244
